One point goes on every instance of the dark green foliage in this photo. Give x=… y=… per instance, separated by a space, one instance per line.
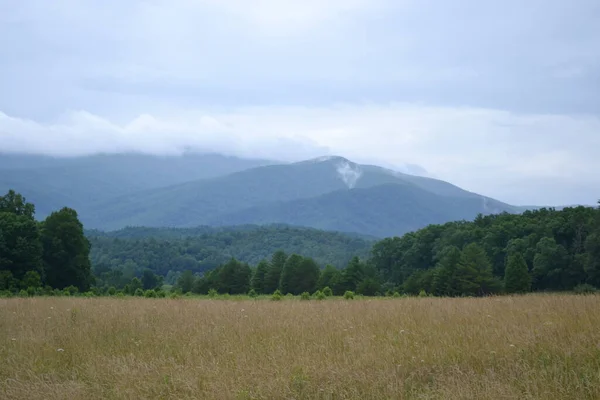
x=252 y=293
x=258 y=278
x=562 y=247
x=150 y=280
x=305 y=296
x=330 y=277
x=351 y=276
x=299 y=275
x=20 y=245
x=31 y=279
x=585 y=288
x=186 y=281
x=66 y=251
x=320 y=295
x=151 y=294
x=327 y=291
x=368 y=287
x=111 y=291
x=273 y=275
x=233 y=277
x=7 y=281
x=139 y=292
x=516 y=274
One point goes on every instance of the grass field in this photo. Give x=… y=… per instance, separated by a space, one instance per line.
x=530 y=347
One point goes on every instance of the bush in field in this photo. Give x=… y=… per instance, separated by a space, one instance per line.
x=327 y=291
x=252 y=293
x=305 y=296
x=422 y=293
x=349 y=295
x=111 y=291
x=320 y=295
x=212 y=293
x=161 y=294
x=73 y=290
x=174 y=295
x=120 y=294
x=396 y=295
x=23 y=293
x=150 y=294
x=276 y=295
x=138 y=292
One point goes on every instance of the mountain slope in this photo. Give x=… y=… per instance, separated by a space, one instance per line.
x=77 y=182
x=205 y=248
x=384 y=210
x=204 y=202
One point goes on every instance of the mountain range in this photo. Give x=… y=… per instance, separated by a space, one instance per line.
x=113 y=191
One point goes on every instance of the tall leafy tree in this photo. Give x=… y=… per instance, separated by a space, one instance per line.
x=20 y=244
x=444 y=275
x=549 y=264
x=66 y=251
x=186 y=281
x=516 y=274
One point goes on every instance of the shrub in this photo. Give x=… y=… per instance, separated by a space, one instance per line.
x=48 y=291
x=174 y=295
x=120 y=294
x=58 y=292
x=23 y=293
x=585 y=289
x=320 y=295
x=389 y=293
x=212 y=293
x=422 y=293
x=276 y=295
x=305 y=296
x=89 y=294
x=396 y=295
x=252 y=293
x=327 y=291
x=31 y=291
x=111 y=291
x=5 y=293
x=150 y=294
x=161 y=294
x=349 y=295
x=72 y=290
x=138 y=292
x=66 y=292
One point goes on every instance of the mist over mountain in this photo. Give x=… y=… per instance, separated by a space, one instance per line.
x=114 y=191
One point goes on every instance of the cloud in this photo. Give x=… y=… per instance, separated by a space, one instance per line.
x=497 y=153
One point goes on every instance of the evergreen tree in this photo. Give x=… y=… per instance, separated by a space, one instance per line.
x=549 y=265
x=290 y=275
x=66 y=251
x=474 y=272
x=516 y=274
x=258 y=279
x=234 y=277
x=273 y=275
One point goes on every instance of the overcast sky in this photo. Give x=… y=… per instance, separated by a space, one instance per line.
x=498 y=97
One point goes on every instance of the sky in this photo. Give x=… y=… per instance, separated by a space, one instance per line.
x=501 y=98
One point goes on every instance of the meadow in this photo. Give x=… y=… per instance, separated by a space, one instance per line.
x=522 y=347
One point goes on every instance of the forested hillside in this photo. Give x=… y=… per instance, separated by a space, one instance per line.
x=547 y=249
x=200 y=249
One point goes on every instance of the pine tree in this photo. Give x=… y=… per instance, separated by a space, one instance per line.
x=516 y=274
x=273 y=275
x=258 y=279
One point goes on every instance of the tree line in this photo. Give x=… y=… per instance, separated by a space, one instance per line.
x=542 y=250
x=53 y=253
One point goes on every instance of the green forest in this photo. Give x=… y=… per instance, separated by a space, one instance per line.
x=542 y=250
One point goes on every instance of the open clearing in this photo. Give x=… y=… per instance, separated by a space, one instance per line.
x=530 y=347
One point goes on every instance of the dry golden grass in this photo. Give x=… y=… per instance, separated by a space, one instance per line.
x=531 y=347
